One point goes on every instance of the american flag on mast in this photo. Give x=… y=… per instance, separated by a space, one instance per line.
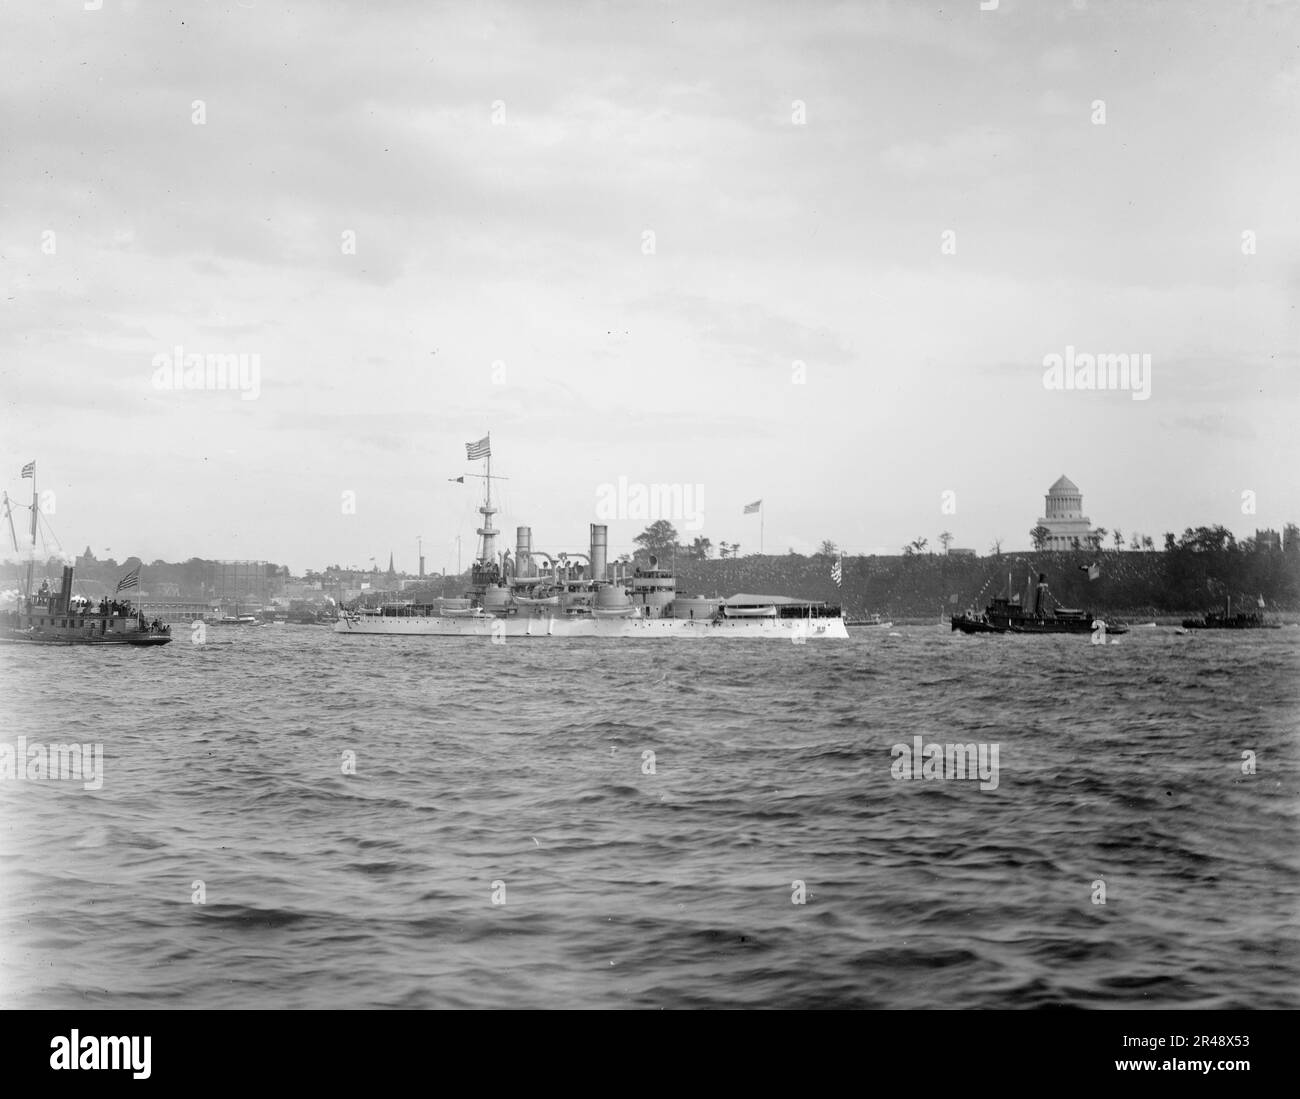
x=29 y=470
x=481 y=449
x=837 y=571
x=130 y=580
x=755 y=506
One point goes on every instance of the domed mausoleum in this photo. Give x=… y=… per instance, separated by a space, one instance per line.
x=1065 y=518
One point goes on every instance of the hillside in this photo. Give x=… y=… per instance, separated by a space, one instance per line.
x=1130 y=583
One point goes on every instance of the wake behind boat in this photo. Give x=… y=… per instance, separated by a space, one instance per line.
x=538 y=593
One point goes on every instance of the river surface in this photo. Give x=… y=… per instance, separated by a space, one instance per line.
x=508 y=840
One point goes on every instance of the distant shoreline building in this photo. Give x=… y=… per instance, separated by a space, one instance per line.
x=1268 y=540
x=1065 y=519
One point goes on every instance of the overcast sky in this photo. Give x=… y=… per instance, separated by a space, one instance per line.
x=500 y=165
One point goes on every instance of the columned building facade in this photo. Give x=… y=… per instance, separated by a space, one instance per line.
x=1065 y=519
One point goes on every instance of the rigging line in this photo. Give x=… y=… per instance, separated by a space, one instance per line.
x=58 y=545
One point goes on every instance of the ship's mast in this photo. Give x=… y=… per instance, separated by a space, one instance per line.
x=9 y=514
x=35 y=512
x=487 y=532
x=483 y=574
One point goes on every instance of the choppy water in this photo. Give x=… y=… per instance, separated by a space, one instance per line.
x=522 y=764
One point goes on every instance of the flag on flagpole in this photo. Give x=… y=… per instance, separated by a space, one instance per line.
x=481 y=449
x=837 y=571
x=755 y=506
x=29 y=470
x=130 y=580
x=1093 y=571
x=1261 y=601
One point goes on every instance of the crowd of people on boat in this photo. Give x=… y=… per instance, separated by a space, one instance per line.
x=106 y=607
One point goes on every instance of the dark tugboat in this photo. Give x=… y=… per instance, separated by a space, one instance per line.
x=1226 y=620
x=1007 y=614
x=57 y=617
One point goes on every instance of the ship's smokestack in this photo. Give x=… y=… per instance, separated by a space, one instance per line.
x=599 y=550
x=523 y=550
x=65 y=591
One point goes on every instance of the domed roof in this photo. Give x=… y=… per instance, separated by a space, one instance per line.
x=1064 y=487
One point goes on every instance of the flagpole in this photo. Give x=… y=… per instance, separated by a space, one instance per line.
x=760 y=530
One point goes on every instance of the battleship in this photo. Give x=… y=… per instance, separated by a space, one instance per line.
x=538 y=593
x=1008 y=614
x=55 y=616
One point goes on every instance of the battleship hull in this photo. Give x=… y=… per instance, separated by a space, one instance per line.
x=490 y=627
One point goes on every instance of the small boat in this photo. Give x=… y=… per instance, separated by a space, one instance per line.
x=749 y=612
x=1226 y=620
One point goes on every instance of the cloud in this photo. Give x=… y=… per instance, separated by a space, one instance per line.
x=1218 y=425
x=975 y=151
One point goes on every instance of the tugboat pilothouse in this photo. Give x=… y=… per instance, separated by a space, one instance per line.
x=537 y=593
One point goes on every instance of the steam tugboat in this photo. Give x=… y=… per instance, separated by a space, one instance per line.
x=57 y=617
x=582 y=594
x=1008 y=614
x=1226 y=620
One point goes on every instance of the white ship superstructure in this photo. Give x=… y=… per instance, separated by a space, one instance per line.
x=538 y=593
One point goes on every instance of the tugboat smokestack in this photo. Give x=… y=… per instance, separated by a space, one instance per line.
x=65 y=591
